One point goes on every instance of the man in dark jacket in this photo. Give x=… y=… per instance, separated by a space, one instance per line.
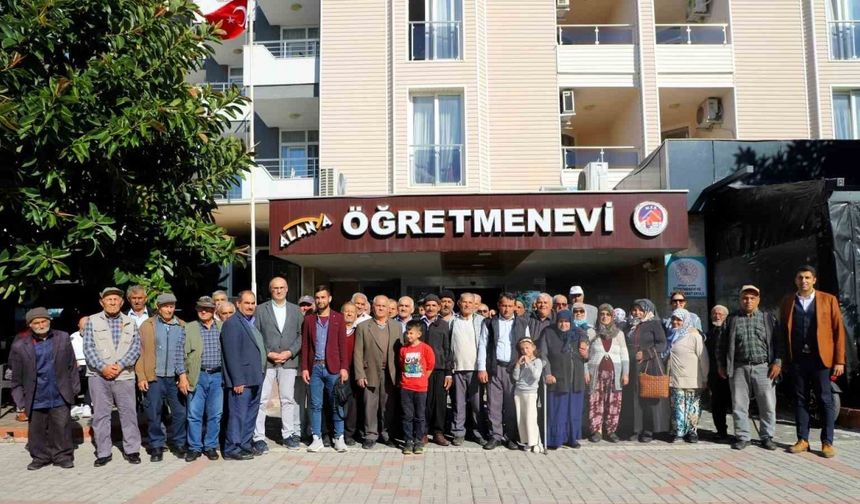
x=438 y=336
x=45 y=381
x=721 y=394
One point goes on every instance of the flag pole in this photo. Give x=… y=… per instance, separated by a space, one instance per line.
x=251 y=15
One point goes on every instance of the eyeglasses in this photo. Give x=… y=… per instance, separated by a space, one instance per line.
x=674 y=301
x=578 y=311
x=576 y=295
x=561 y=304
x=605 y=314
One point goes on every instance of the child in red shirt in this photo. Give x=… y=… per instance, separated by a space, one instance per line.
x=416 y=363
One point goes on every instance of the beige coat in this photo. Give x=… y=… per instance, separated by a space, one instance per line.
x=688 y=362
x=369 y=351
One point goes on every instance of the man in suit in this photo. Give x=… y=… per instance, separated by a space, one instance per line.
x=244 y=359
x=45 y=382
x=280 y=323
x=815 y=335
x=324 y=363
x=497 y=354
x=377 y=343
x=204 y=368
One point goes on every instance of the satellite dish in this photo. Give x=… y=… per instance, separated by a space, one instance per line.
x=341 y=184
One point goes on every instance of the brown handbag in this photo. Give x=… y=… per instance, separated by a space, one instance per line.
x=654 y=386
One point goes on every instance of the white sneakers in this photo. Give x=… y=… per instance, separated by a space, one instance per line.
x=339 y=444
x=316 y=445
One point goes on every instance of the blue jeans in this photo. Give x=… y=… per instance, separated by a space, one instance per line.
x=162 y=390
x=241 y=419
x=321 y=380
x=206 y=399
x=414 y=405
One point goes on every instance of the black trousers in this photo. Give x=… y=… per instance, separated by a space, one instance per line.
x=721 y=402
x=437 y=402
x=353 y=425
x=50 y=435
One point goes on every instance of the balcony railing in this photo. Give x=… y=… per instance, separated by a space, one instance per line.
x=434 y=40
x=845 y=40
x=436 y=164
x=575 y=158
x=595 y=34
x=286 y=168
x=234 y=193
x=222 y=87
x=285 y=49
x=713 y=34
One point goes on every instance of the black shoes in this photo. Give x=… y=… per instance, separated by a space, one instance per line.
x=350 y=441
x=131 y=458
x=768 y=444
x=179 y=452
x=368 y=444
x=692 y=437
x=156 y=455
x=458 y=441
x=211 y=454
x=103 y=461
x=612 y=438
x=594 y=437
x=740 y=444
x=676 y=439
x=192 y=455
x=259 y=448
x=645 y=438
x=512 y=445
x=491 y=444
x=241 y=455
x=35 y=466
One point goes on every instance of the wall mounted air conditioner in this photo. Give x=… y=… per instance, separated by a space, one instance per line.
x=698 y=10
x=595 y=177
x=568 y=104
x=327 y=182
x=710 y=113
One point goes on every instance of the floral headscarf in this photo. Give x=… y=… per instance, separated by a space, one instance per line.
x=675 y=334
x=606 y=331
x=648 y=307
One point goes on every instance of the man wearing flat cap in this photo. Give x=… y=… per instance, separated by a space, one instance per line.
x=111 y=347
x=45 y=382
x=205 y=392
x=162 y=377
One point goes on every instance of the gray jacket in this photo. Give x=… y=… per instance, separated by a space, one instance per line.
x=279 y=341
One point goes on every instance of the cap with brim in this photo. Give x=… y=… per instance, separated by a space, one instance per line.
x=165 y=298
x=206 y=302
x=576 y=290
x=750 y=288
x=37 y=313
x=306 y=300
x=107 y=291
x=430 y=297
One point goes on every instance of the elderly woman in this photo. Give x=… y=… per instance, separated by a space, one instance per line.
x=646 y=341
x=563 y=347
x=688 y=375
x=608 y=370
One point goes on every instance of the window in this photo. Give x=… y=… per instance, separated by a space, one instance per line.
x=299 y=155
x=298 y=42
x=436 y=153
x=844 y=29
x=235 y=75
x=435 y=29
x=846 y=114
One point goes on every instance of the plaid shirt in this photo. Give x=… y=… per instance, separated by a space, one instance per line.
x=211 y=357
x=92 y=355
x=749 y=334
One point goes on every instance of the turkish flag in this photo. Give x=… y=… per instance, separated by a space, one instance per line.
x=232 y=14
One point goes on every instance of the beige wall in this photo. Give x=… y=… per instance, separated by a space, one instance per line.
x=650 y=100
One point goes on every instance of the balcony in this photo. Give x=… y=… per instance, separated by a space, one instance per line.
x=286 y=168
x=267 y=187
x=690 y=55
x=621 y=160
x=436 y=165
x=680 y=118
x=596 y=55
x=294 y=13
x=282 y=63
x=844 y=40
x=435 y=40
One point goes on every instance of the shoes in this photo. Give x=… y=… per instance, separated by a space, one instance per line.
x=75 y=412
x=368 y=444
x=35 y=466
x=512 y=445
x=211 y=454
x=156 y=455
x=103 y=461
x=259 y=447
x=645 y=438
x=612 y=437
x=316 y=445
x=21 y=416
x=424 y=440
x=676 y=439
x=721 y=436
x=68 y=464
x=594 y=437
x=350 y=441
x=458 y=441
x=179 y=452
x=480 y=440
x=407 y=448
x=241 y=455
x=740 y=444
x=574 y=445
x=827 y=450
x=418 y=449
x=440 y=440
x=491 y=444
x=131 y=458
x=768 y=444
x=339 y=444
x=692 y=437
x=800 y=446
x=326 y=440
x=192 y=455
x=293 y=442
x=86 y=411
x=386 y=439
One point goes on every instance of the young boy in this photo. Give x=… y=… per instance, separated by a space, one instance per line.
x=416 y=364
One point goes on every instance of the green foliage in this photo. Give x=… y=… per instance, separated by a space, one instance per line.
x=109 y=161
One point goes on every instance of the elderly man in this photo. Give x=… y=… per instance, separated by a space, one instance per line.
x=244 y=359
x=392 y=308
x=750 y=356
x=205 y=395
x=45 y=381
x=306 y=305
x=815 y=333
x=377 y=343
x=438 y=336
x=162 y=378
x=577 y=295
x=497 y=355
x=559 y=303
x=465 y=332
x=136 y=295
x=225 y=310
x=111 y=348
x=721 y=394
x=405 y=309
x=280 y=323
x=362 y=306
x=541 y=317
x=446 y=305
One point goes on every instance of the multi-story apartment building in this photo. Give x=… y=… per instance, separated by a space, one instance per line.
x=452 y=104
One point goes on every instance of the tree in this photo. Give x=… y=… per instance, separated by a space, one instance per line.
x=109 y=161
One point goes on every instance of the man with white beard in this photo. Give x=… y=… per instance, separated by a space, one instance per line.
x=721 y=395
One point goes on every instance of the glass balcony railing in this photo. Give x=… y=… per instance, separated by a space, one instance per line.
x=575 y=158
x=845 y=40
x=436 y=164
x=713 y=34
x=595 y=34
x=222 y=87
x=435 y=40
x=288 y=168
x=286 y=49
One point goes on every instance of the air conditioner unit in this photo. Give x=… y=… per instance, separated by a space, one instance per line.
x=327 y=182
x=710 y=113
x=595 y=177
x=698 y=10
x=561 y=8
x=570 y=178
x=568 y=104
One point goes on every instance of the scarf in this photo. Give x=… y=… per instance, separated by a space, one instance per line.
x=606 y=331
x=648 y=307
x=569 y=337
x=675 y=334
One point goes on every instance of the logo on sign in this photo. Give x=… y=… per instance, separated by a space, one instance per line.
x=650 y=218
x=305 y=226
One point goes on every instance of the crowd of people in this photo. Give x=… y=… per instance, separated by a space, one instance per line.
x=387 y=371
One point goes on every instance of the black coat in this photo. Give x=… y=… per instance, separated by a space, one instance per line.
x=22 y=362
x=568 y=368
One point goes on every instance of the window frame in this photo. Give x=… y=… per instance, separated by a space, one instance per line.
x=436 y=93
x=853 y=109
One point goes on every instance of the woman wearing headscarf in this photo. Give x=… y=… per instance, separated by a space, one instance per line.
x=688 y=375
x=607 y=371
x=564 y=348
x=646 y=341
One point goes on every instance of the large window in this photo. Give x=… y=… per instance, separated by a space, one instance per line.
x=435 y=29
x=299 y=151
x=844 y=24
x=436 y=153
x=846 y=114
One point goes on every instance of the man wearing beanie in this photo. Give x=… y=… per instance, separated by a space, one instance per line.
x=45 y=382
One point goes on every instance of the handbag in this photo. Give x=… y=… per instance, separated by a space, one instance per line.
x=342 y=392
x=654 y=386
